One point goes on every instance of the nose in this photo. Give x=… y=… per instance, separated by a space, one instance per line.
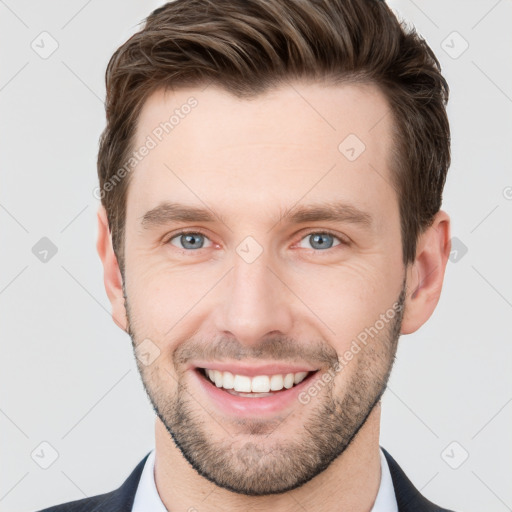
x=255 y=303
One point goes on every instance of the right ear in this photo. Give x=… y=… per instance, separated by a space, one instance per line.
x=111 y=273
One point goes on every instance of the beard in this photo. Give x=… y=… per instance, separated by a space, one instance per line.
x=253 y=466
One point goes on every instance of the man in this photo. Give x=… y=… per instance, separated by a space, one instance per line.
x=271 y=177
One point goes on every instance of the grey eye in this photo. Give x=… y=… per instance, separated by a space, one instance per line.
x=320 y=240
x=190 y=240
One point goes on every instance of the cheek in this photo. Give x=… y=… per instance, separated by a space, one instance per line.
x=345 y=298
x=163 y=298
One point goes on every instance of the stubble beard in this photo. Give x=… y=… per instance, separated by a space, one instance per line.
x=249 y=463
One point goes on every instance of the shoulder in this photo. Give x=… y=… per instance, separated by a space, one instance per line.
x=118 y=500
x=84 y=505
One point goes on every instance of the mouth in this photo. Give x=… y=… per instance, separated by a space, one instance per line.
x=254 y=387
x=238 y=395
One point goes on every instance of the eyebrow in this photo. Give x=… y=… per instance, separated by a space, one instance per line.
x=331 y=211
x=168 y=212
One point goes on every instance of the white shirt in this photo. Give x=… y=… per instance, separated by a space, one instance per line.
x=147 y=498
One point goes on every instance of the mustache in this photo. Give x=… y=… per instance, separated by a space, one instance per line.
x=277 y=348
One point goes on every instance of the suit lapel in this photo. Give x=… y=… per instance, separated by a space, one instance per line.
x=121 y=500
x=408 y=498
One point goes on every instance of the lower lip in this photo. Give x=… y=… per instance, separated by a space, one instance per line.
x=247 y=406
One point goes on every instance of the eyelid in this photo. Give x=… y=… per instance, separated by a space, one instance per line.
x=342 y=238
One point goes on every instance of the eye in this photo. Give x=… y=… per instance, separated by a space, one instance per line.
x=193 y=240
x=188 y=240
x=322 y=240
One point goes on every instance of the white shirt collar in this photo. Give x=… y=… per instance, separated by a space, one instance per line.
x=386 y=499
x=147 y=498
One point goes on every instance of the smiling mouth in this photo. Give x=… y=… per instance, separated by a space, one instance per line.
x=254 y=387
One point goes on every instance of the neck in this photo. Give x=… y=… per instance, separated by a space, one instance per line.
x=351 y=482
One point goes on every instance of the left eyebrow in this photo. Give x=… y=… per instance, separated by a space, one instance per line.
x=330 y=211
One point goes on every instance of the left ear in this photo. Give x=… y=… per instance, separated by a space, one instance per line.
x=425 y=276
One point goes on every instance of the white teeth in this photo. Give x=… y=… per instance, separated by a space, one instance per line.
x=228 y=380
x=258 y=384
x=288 y=380
x=299 y=377
x=242 y=383
x=218 y=378
x=276 y=382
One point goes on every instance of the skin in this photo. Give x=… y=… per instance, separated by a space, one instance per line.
x=249 y=161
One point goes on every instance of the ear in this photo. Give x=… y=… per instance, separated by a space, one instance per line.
x=111 y=273
x=425 y=276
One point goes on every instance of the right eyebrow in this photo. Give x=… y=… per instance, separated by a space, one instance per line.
x=168 y=212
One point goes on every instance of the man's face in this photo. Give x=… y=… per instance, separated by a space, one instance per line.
x=260 y=285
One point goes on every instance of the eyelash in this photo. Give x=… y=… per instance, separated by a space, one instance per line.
x=316 y=251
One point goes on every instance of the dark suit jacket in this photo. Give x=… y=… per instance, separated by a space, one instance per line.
x=408 y=497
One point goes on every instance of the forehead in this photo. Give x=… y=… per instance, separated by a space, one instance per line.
x=297 y=139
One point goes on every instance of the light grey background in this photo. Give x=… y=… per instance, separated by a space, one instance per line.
x=67 y=373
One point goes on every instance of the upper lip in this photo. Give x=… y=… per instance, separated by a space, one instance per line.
x=254 y=370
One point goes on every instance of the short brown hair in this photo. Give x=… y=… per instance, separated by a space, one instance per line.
x=249 y=46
